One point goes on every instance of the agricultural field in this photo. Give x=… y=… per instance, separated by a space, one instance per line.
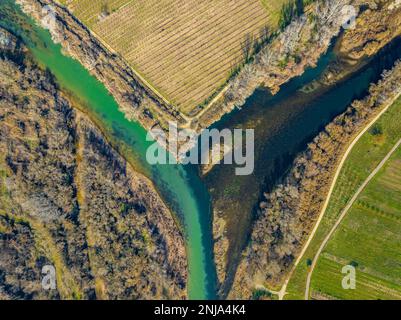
x=369 y=238
x=366 y=236
x=91 y=11
x=184 y=49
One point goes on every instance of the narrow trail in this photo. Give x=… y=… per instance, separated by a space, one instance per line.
x=344 y=213
x=283 y=289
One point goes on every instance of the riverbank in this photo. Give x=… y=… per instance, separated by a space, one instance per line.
x=134 y=98
x=180 y=187
x=331 y=94
x=374 y=145
x=292 y=208
x=294 y=275
x=373 y=208
x=284 y=124
x=62 y=203
x=297 y=47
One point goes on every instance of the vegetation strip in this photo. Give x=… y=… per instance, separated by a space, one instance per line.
x=343 y=214
x=328 y=198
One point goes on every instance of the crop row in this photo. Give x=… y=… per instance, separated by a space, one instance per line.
x=185 y=48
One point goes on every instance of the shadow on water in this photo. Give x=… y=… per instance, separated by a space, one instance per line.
x=283 y=125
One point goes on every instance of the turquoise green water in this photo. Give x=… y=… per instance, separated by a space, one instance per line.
x=180 y=186
x=283 y=125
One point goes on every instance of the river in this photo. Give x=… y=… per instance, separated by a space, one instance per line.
x=180 y=186
x=283 y=125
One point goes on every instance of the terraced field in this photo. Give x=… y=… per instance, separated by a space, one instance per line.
x=185 y=49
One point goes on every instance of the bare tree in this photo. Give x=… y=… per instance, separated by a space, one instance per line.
x=247 y=46
x=264 y=33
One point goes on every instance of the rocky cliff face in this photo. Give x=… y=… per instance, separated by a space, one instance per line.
x=69 y=200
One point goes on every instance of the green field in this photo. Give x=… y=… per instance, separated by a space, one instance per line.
x=370 y=238
x=372 y=148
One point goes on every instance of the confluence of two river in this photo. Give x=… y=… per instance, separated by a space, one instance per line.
x=180 y=186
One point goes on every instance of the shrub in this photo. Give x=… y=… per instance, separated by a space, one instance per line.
x=289 y=11
x=376 y=130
